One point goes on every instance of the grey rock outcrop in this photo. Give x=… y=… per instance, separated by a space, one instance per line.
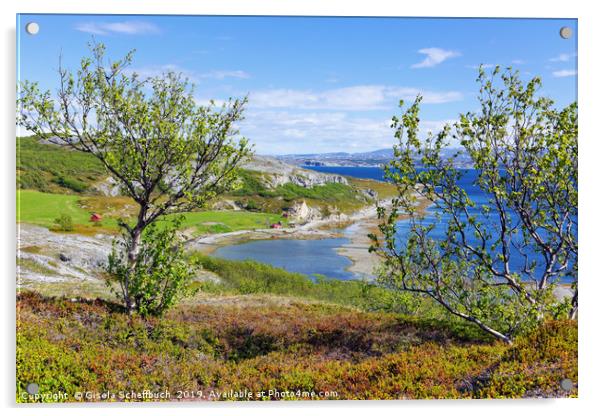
x=276 y=173
x=107 y=187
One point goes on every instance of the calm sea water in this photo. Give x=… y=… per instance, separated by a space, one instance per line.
x=355 y=172
x=319 y=256
x=308 y=257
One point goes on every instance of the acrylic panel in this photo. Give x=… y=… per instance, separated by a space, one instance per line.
x=295 y=208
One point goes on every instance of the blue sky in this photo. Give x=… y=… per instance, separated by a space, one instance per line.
x=316 y=84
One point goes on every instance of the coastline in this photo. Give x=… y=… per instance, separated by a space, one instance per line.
x=355 y=228
x=312 y=230
x=364 y=263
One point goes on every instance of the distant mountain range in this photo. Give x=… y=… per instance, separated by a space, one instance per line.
x=374 y=158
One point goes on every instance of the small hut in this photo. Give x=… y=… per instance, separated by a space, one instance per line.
x=95 y=217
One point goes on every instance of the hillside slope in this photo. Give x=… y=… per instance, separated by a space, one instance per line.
x=266 y=185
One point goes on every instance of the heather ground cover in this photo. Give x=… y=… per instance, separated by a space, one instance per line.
x=210 y=351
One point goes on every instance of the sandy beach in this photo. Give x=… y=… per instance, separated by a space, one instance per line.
x=365 y=263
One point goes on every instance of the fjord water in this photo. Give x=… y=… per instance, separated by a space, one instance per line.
x=320 y=256
x=310 y=257
x=375 y=173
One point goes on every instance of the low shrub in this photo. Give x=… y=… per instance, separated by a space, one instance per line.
x=64 y=223
x=71 y=183
x=250 y=277
x=161 y=274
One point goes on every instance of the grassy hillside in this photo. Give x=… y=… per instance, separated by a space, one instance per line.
x=49 y=168
x=43 y=208
x=58 y=170
x=254 y=194
x=295 y=347
x=253 y=278
x=265 y=329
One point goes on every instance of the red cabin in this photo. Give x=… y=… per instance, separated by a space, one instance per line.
x=96 y=217
x=276 y=225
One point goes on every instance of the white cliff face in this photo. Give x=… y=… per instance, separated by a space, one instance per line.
x=279 y=173
x=301 y=212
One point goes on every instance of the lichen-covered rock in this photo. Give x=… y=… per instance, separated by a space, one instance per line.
x=107 y=187
x=226 y=205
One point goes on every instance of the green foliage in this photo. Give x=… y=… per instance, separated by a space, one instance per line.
x=64 y=222
x=161 y=274
x=250 y=277
x=71 y=183
x=254 y=195
x=53 y=168
x=536 y=364
x=249 y=183
x=330 y=192
x=525 y=154
x=94 y=346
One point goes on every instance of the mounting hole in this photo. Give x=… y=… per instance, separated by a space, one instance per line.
x=566 y=384
x=32 y=388
x=566 y=32
x=32 y=28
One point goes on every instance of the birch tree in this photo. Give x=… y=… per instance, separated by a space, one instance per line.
x=168 y=153
x=498 y=262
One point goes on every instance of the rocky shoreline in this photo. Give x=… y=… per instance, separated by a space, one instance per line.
x=45 y=256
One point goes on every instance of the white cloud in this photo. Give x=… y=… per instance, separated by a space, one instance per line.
x=221 y=74
x=563 y=57
x=126 y=28
x=294 y=133
x=485 y=66
x=564 y=73
x=282 y=132
x=434 y=56
x=157 y=70
x=356 y=98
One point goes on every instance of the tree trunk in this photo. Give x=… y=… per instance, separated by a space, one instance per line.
x=574 y=306
x=132 y=255
x=498 y=335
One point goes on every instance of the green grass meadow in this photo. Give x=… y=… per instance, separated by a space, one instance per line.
x=42 y=209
